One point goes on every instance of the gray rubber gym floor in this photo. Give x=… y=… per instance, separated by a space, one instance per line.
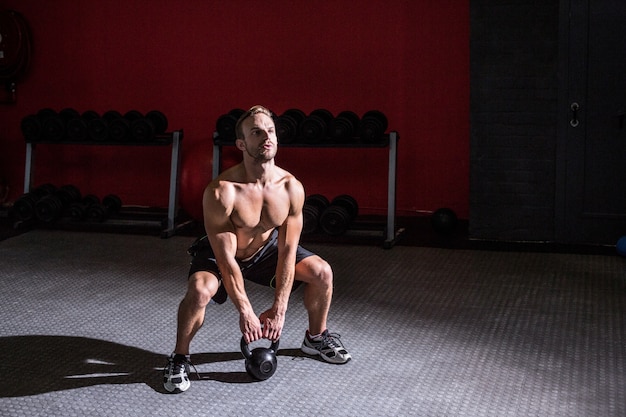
x=87 y=319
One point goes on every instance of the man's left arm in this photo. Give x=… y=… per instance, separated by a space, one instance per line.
x=288 y=240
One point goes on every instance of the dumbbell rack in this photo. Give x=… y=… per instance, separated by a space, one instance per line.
x=174 y=139
x=390 y=140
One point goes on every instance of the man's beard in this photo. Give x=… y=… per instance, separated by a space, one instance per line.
x=261 y=155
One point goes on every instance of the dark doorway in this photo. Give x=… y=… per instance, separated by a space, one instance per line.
x=591 y=145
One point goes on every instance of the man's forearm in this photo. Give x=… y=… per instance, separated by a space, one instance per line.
x=235 y=288
x=284 y=284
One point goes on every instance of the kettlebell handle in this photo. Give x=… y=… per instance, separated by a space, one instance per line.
x=245 y=349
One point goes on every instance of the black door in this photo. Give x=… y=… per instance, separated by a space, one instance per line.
x=591 y=151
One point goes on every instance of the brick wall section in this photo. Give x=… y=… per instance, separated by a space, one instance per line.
x=514 y=91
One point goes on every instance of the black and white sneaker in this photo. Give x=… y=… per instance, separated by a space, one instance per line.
x=328 y=346
x=176 y=374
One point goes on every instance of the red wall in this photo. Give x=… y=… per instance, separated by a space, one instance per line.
x=197 y=59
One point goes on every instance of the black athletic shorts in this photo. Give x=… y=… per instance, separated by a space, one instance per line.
x=261 y=268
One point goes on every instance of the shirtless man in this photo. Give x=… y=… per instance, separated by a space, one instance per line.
x=253 y=220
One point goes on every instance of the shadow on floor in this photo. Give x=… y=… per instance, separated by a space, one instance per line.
x=44 y=364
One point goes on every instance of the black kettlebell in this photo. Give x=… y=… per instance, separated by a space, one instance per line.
x=260 y=362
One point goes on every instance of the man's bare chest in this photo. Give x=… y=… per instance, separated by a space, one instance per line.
x=261 y=211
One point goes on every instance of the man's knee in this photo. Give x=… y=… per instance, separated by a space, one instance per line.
x=315 y=270
x=201 y=287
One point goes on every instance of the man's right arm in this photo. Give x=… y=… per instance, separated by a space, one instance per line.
x=217 y=203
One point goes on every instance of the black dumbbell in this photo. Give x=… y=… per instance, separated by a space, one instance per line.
x=31 y=128
x=444 y=221
x=345 y=127
x=118 y=126
x=288 y=125
x=373 y=126
x=339 y=215
x=98 y=128
x=111 y=115
x=77 y=126
x=99 y=212
x=53 y=126
x=314 y=206
x=24 y=207
x=37 y=127
x=315 y=127
x=145 y=128
x=139 y=128
x=142 y=130
x=77 y=129
x=68 y=194
x=78 y=210
x=49 y=208
x=225 y=125
x=52 y=206
x=159 y=120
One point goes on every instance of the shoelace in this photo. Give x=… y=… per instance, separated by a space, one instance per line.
x=332 y=340
x=177 y=365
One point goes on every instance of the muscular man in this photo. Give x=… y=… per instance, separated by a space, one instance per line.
x=253 y=220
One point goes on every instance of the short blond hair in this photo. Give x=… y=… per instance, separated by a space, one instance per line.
x=253 y=110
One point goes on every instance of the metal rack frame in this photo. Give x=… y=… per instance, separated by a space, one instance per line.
x=391 y=234
x=174 y=138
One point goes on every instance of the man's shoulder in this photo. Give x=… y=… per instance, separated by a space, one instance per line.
x=230 y=176
x=289 y=179
x=283 y=173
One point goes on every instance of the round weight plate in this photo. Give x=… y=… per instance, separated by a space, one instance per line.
x=44 y=189
x=119 y=130
x=48 y=208
x=142 y=130
x=348 y=202
x=72 y=192
x=341 y=130
x=225 y=127
x=68 y=114
x=53 y=129
x=111 y=115
x=286 y=129
x=77 y=211
x=98 y=129
x=352 y=117
x=77 y=129
x=310 y=216
x=373 y=126
x=24 y=207
x=377 y=115
x=97 y=213
x=31 y=128
x=43 y=114
x=159 y=120
x=133 y=115
x=324 y=114
x=335 y=220
x=317 y=200
x=112 y=202
x=296 y=114
x=313 y=129
x=90 y=199
x=237 y=113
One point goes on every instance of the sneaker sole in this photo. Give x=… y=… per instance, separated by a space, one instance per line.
x=314 y=352
x=173 y=389
x=177 y=390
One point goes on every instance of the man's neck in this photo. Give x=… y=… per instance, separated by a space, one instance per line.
x=259 y=172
